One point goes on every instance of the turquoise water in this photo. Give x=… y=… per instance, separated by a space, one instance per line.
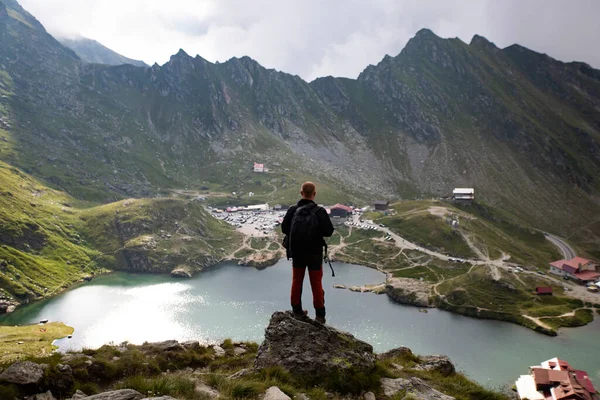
x=235 y=302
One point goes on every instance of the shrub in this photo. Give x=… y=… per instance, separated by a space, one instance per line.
x=9 y=392
x=245 y=389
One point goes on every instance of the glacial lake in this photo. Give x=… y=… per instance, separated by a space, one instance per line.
x=235 y=302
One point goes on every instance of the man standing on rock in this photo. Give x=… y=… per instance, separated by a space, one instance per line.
x=305 y=225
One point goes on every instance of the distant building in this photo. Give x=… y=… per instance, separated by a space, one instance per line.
x=257 y=207
x=381 y=205
x=259 y=167
x=463 y=194
x=340 y=211
x=578 y=268
x=543 y=290
x=555 y=379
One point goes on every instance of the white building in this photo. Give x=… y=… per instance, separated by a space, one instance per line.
x=259 y=167
x=467 y=194
x=258 y=207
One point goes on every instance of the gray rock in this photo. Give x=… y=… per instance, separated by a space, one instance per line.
x=79 y=395
x=123 y=394
x=24 y=373
x=415 y=387
x=441 y=364
x=192 y=345
x=306 y=348
x=369 y=396
x=274 y=393
x=168 y=345
x=238 y=351
x=219 y=352
x=206 y=391
x=395 y=353
x=160 y=398
x=42 y=396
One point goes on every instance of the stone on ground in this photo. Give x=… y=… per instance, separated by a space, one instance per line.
x=42 y=396
x=206 y=390
x=123 y=394
x=306 y=348
x=441 y=364
x=369 y=396
x=413 y=387
x=274 y=393
x=219 y=352
x=24 y=373
x=79 y=395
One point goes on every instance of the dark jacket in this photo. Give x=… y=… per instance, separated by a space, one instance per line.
x=325 y=225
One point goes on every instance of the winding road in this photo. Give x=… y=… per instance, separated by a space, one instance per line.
x=568 y=252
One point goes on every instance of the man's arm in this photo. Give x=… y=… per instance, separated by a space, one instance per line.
x=287 y=220
x=325 y=223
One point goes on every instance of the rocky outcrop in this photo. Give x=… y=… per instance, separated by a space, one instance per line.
x=206 y=391
x=307 y=348
x=413 y=388
x=181 y=272
x=42 y=396
x=123 y=394
x=274 y=393
x=24 y=373
x=441 y=364
x=409 y=291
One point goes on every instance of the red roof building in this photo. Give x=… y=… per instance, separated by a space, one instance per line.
x=577 y=268
x=543 y=290
x=555 y=379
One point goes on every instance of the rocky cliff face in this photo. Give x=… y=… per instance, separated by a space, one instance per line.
x=522 y=128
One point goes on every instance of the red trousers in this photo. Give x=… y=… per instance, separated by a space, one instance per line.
x=316 y=283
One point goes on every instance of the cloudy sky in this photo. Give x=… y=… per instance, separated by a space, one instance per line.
x=313 y=38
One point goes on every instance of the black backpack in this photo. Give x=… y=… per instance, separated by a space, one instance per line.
x=304 y=230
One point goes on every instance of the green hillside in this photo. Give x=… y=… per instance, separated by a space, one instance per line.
x=48 y=240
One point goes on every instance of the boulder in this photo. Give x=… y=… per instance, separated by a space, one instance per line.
x=307 y=348
x=168 y=345
x=123 y=394
x=274 y=393
x=206 y=391
x=42 y=396
x=441 y=364
x=219 y=352
x=239 y=351
x=369 y=396
x=395 y=353
x=24 y=373
x=192 y=345
x=79 y=395
x=413 y=387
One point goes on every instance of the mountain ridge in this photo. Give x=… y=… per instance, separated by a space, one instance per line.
x=441 y=113
x=93 y=52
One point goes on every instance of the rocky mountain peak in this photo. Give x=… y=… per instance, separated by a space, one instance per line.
x=482 y=42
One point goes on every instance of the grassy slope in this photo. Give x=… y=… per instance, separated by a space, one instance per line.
x=36 y=340
x=39 y=240
x=50 y=240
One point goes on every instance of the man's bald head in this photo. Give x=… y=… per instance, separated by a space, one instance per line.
x=308 y=190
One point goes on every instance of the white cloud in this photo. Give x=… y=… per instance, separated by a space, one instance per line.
x=314 y=38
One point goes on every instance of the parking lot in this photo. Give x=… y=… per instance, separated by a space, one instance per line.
x=256 y=224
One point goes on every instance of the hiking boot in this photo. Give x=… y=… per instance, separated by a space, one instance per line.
x=320 y=320
x=300 y=313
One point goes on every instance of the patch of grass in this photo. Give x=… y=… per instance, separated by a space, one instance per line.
x=168 y=385
x=36 y=340
x=9 y=392
x=581 y=318
x=459 y=386
x=243 y=253
x=429 y=231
